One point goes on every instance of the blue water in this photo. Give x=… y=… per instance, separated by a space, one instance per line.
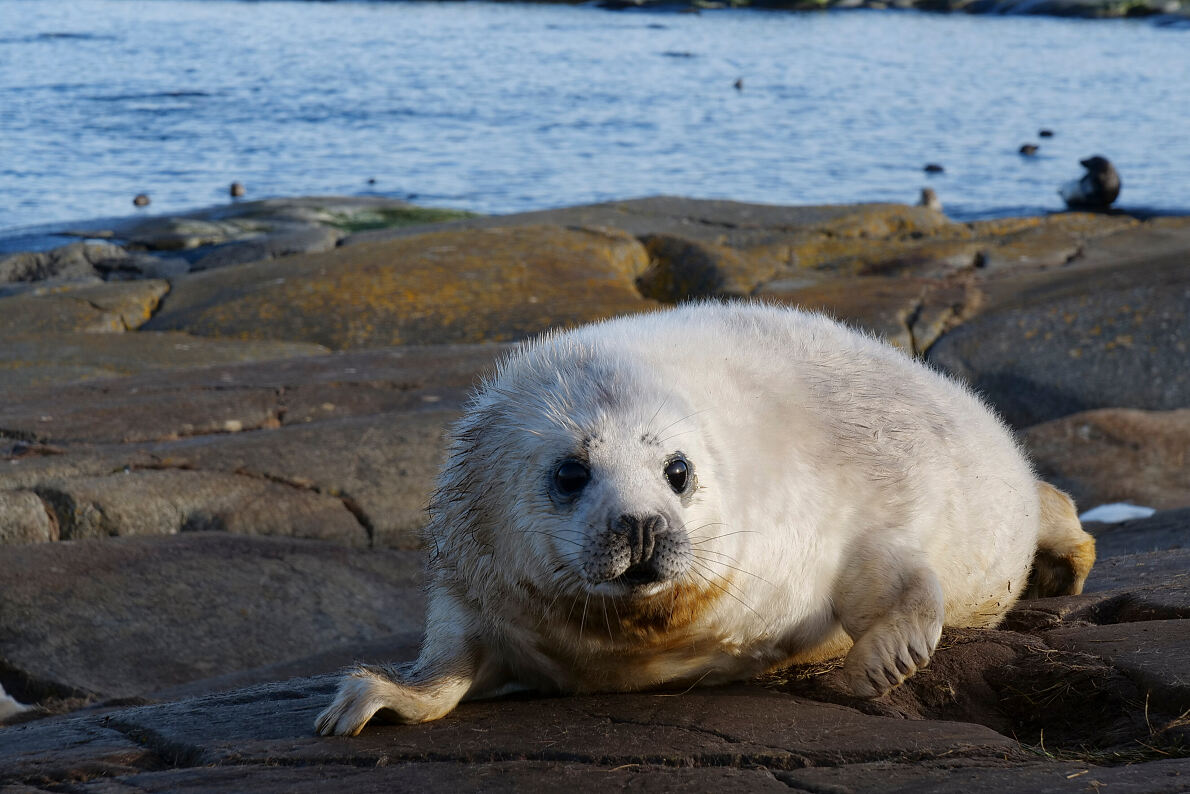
x=507 y=107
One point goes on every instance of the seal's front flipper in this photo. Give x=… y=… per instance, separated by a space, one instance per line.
x=444 y=673
x=895 y=617
x=413 y=695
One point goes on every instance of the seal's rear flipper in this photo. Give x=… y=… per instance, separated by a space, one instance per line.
x=1065 y=553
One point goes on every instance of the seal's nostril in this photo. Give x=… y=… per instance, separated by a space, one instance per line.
x=641 y=534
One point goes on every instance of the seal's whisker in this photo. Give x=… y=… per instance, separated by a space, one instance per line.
x=683 y=419
x=734 y=568
x=727 y=583
x=653 y=418
x=582 y=623
x=675 y=435
x=719 y=553
x=726 y=591
x=725 y=535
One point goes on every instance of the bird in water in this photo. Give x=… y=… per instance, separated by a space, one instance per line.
x=1097 y=189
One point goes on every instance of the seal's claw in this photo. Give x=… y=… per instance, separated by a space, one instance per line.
x=356 y=702
x=889 y=653
x=412 y=695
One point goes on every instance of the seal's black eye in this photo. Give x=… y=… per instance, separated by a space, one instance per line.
x=676 y=472
x=571 y=477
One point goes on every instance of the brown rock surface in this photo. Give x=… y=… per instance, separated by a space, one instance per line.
x=122 y=617
x=1153 y=653
x=25 y=519
x=1166 y=529
x=345 y=447
x=1098 y=335
x=69 y=262
x=1116 y=455
x=909 y=312
x=42 y=360
x=470 y=286
x=88 y=308
x=360 y=432
x=169 y=501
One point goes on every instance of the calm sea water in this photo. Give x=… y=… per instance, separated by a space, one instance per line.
x=507 y=107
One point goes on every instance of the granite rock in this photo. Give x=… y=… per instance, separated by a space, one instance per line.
x=470 y=286
x=121 y=617
x=1116 y=455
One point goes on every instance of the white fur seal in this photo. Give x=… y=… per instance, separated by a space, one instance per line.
x=702 y=494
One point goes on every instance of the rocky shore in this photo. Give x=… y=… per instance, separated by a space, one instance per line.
x=218 y=433
x=1164 y=12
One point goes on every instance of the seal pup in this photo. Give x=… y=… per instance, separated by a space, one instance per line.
x=703 y=494
x=1097 y=188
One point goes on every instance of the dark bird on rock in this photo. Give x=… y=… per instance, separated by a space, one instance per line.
x=1028 y=149
x=236 y=190
x=141 y=200
x=933 y=168
x=1097 y=189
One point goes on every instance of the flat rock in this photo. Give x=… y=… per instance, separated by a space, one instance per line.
x=732 y=728
x=125 y=616
x=1057 y=343
x=974 y=777
x=1168 y=567
x=449 y=776
x=464 y=286
x=54 y=358
x=1116 y=455
x=361 y=431
x=179 y=233
x=1155 y=653
x=25 y=519
x=1166 y=529
x=169 y=501
x=223 y=390
x=306 y=239
x=703 y=246
x=908 y=312
x=66 y=263
x=88 y=308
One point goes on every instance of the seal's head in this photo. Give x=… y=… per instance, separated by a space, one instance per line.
x=576 y=471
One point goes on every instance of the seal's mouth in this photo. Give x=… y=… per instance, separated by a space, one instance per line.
x=639 y=575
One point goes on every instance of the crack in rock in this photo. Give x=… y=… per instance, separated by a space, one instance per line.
x=173 y=754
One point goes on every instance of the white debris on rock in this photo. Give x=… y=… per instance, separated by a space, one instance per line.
x=1116 y=512
x=8 y=706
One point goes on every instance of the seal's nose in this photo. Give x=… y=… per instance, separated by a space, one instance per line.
x=641 y=533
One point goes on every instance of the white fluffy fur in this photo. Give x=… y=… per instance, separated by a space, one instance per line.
x=843 y=495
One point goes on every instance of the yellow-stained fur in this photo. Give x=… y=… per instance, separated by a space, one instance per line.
x=1065 y=552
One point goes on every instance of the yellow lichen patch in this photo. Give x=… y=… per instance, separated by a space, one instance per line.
x=451 y=286
x=109 y=307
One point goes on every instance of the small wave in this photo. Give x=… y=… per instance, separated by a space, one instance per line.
x=74 y=36
x=56 y=36
x=155 y=95
x=678 y=54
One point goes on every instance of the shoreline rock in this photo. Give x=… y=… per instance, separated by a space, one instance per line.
x=237 y=499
